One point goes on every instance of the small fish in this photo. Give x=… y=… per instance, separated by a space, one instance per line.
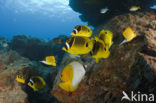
x=107 y=37
x=71 y=76
x=134 y=8
x=49 y=60
x=129 y=35
x=57 y=40
x=78 y=45
x=36 y=83
x=82 y=30
x=104 y=10
x=99 y=50
x=20 y=78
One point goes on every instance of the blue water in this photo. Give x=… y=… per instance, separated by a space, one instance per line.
x=46 y=21
x=43 y=19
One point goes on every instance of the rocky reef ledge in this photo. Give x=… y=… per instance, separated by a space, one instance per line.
x=131 y=67
x=22 y=55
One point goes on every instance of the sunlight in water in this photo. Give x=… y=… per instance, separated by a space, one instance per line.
x=50 y=8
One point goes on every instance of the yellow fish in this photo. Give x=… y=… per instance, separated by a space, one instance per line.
x=107 y=37
x=78 y=45
x=36 y=83
x=134 y=8
x=49 y=60
x=82 y=30
x=129 y=35
x=71 y=76
x=99 y=50
x=20 y=78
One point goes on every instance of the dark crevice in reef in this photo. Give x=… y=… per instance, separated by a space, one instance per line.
x=143 y=76
x=148 y=51
x=44 y=95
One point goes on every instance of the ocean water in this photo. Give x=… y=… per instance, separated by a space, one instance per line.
x=42 y=19
x=49 y=23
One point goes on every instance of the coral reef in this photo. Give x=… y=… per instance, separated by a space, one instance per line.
x=11 y=63
x=130 y=67
x=90 y=9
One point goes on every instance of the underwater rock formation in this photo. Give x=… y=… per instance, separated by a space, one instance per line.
x=36 y=49
x=4 y=44
x=11 y=63
x=10 y=90
x=90 y=9
x=130 y=67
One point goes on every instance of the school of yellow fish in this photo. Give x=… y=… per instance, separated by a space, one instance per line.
x=78 y=44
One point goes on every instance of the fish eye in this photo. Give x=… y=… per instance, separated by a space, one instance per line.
x=79 y=28
x=105 y=49
x=105 y=32
x=74 y=31
x=86 y=44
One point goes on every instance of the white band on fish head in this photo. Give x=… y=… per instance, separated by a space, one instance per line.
x=67 y=45
x=75 y=31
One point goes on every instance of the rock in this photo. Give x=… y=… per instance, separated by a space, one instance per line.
x=130 y=67
x=10 y=90
x=90 y=9
x=4 y=44
x=13 y=92
x=36 y=49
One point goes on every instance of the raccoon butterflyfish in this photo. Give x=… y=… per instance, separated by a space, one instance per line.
x=129 y=35
x=134 y=8
x=36 y=83
x=99 y=50
x=49 y=60
x=20 y=78
x=82 y=30
x=78 y=45
x=71 y=76
x=104 y=10
x=107 y=37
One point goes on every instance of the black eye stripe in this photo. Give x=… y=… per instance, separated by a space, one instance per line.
x=79 y=28
x=86 y=44
x=74 y=31
x=31 y=82
x=66 y=47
